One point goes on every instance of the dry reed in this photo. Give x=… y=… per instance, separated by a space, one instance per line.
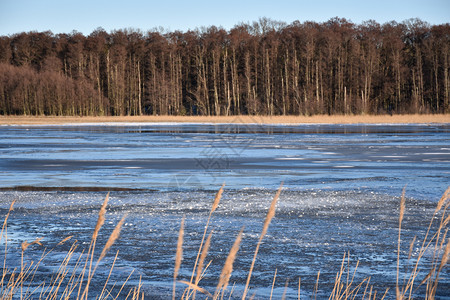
x=286 y=284
x=269 y=217
x=109 y=275
x=217 y=199
x=401 y=214
x=178 y=257
x=64 y=240
x=90 y=254
x=288 y=119
x=67 y=279
x=196 y=288
x=443 y=199
x=273 y=284
x=432 y=278
x=316 y=286
x=203 y=257
x=112 y=238
x=344 y=286
x=213 y=209
x=5 y=230
x=26 y=244
x=228 y=266
x=101 y=218
x=5 y=221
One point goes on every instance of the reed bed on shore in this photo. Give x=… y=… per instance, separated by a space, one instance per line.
x=73 y=277
x=289 y=119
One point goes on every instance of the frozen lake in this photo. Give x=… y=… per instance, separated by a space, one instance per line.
x=342 y=185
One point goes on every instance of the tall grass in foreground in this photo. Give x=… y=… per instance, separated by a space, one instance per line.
x=74 y=276
x=345 y=286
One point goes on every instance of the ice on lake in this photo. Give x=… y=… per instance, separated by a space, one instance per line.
x=342 y=185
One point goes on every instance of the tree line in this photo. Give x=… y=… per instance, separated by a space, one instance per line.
x=267 y=67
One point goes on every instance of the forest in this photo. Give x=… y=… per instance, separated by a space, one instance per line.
x=266 y=67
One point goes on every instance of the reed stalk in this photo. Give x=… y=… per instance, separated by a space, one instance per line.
x=273 y=284
x=269 y=217
x=68 y=279
x=90 y=254
x=402 y=212
x=213 y=209
x=178 y=257
x=228 y=266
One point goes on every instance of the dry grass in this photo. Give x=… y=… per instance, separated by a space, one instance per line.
x=269 y=217
x=204 y=249
x=201 y=262
x=178 y=257
x=337 y=119
x=345 y=286
x=227 y=269
x=69 y=282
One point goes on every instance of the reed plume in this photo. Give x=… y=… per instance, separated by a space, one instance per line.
x=444 y=258
x=213 y=209
x=64 y=240
x=344 y=287
x=443 y=199
x=25 y=244
x=217 y=199
x=228 y=266
x=201 y=262
x=101 y=218
x=402 y=212
x=178 y=257
x=269 y=217
x=5 y=221
x=431 y=279
x=112 y=238
x=66 y=279
x=90 y=254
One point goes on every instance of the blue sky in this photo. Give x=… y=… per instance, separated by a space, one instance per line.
x=61 y=16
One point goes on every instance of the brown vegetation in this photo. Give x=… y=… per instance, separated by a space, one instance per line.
x=336 y=119
x=69 y=280
x=264 y=68
x=63 y=285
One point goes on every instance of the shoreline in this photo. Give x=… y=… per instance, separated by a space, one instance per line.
x=317 y=119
